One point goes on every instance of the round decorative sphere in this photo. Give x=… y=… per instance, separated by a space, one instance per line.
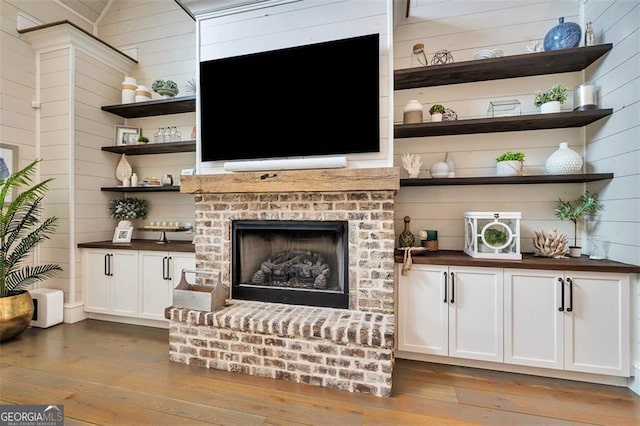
x=442 y=57
x=565 y=35
x=439 y=170
x=564 y=161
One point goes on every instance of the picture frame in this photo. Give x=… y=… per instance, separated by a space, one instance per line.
x=8 y=163
x=126 y=135
x=123 y=234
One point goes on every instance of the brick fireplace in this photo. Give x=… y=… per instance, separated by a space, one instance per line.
x=345 y=348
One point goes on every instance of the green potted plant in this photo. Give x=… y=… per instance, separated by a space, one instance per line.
x=165 y=88
x=586 y=205
x=510 y=163
x=436 y=112
x=127 y=209
x=551 y=99
x=21 y=230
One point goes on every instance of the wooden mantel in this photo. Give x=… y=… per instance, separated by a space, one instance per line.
x=315 y=180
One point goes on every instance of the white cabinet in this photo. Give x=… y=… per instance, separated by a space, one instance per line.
x=159 y=274
x=452 y=311
x=111 y=281
x=576 y=321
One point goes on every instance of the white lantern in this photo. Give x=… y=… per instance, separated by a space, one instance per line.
x=492 y=235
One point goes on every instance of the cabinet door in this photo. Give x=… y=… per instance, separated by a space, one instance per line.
x=533 y=319
x=422 y=310
x=597 y=323
x=155 y=284
x=97 y=281
x=476 y=313
x=178 y=262
x=124 y=283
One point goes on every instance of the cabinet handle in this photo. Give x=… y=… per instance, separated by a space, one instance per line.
x=561 y=282
x=164 y=268
x=570 y=307
x=110 y=263
x=169 y=268
x=106 y=262
x=446 y=284
x=453 y=287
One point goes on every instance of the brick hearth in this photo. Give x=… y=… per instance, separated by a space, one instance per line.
x=349 y=349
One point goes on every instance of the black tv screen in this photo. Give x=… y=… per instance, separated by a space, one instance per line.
x=316 y=99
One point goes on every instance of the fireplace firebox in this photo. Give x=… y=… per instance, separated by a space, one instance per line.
x=292 y=262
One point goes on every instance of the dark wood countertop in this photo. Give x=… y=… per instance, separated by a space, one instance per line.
x=180 y=246
x=529 y=261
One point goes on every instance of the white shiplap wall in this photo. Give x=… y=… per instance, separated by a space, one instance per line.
x=299 y=23
x=162 y=37
x=464 y=28
x=615 y=145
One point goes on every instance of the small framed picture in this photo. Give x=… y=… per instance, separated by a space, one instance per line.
x=123 y=234
x=126 y=135
x=8 y=164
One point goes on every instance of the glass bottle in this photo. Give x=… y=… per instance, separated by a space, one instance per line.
x=589 y=36
x=406 y=238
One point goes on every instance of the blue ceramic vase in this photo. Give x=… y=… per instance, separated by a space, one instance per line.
x=565 y=35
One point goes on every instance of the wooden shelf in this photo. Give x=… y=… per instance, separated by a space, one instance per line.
x=152 y=108
x=153 y=148
x=507 y=180
x=172 y=188
x=501 y=124
x=524 y=65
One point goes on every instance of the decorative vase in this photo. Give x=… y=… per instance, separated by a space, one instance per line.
x=16 y=313
x=129 y=86
x=564 y=161
x=143 y=94
x=436 y=117
x=575 y=251
x=406 y=238
x=123 y=170
x=509 y=168
x=448 y=158
x=565 y=35
x=439 y=170
x=550 y=107
x=412 y=112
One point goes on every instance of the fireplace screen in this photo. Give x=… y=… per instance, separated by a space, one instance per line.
x=295 y=262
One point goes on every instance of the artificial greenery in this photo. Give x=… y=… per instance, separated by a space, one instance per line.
x=21 y=230
x=495 y=237
x=143 y=139
x=510 y=156
x=128 y=208
x=165 y=85
x=436 y=109
x=586 y=205
x=191 y=86
x=556 y=93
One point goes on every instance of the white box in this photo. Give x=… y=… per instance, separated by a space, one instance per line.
x=48 y=307
x=492 y=235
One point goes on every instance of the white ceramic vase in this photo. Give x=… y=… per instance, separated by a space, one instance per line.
x=550 y=107
x=439 y=170
x=564 y=161
x=412 y=112
x=436 y=117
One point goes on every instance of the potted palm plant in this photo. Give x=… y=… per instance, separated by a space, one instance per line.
x=586 y=205
x=21 y=230
x=550 y=100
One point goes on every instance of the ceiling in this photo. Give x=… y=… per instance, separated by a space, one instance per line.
x=92 y=9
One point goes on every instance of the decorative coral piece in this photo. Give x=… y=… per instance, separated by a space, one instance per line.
x=412 y=164
x=550 y=245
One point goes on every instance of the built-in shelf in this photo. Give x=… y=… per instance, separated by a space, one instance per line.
x=153 y=148
x=152 y=108
x=507 y=180
x=524 y=65
x=172 y=188
x=501 y=124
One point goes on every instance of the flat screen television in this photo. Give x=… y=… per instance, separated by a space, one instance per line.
x=310 y=100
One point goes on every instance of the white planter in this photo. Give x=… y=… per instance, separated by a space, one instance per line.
x=509 y=168
x=550 y=107
x=575 y=251
x=436 y=117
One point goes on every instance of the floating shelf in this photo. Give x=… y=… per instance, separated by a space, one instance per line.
x=153 y=108
x=153 y=148
x=501 y=124
x=524 y=65
x=141 y=188
x=507 y=180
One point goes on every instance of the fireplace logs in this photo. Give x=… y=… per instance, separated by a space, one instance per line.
x=294 y=269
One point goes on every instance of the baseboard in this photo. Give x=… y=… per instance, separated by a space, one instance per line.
x=74 y=313
x=634 y=382
x=130 y=320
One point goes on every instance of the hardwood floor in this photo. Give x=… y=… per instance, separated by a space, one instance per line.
x=116 y=374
